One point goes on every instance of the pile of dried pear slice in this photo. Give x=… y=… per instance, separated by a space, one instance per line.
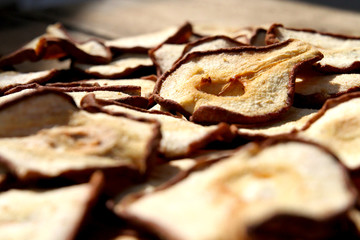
x=186 y=133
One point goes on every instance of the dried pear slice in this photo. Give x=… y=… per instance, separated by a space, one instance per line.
x=293 y=120
x=43 y=65
x=179 y=137
x=143 y=43
x=337 y=126
x=119 y=67
x=242 y=85
x=95 y=141
x=125 y=94
x=341 y=53
x=211 y=43
x=165 y=55
x=32 y=111
x=56 y=43
x=147 y=86
x=52 y=214
x=10 y=79
x=313 y=90
x=297 y=186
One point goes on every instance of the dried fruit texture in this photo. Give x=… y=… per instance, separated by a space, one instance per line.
x=143 y=43
x=147 y=86
x=11 y=79
x=179 y=137
x=62 y=133
x=165 y=55
x=293 y=120
x=244 y=85
x=236 y=196
x=341 y=53
x=52 y=214
x=337 y=126
x=313 y=90
x=56 y=43
x=119 y=67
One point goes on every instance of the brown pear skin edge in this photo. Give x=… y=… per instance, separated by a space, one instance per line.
x=97 y=183
x=133 y=100
x=271 y=38
x=214 y=114
x=51 y=73
x=203 y=40
x=279 y=226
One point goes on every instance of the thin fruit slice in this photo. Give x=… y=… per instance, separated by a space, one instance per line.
x=11 y=79
x=53 y=214
x=123 y=93
x=292 y=121
x=165 y=55
x=337 y=126
x=297 y=186
x=179 y=137
x=56 y=43
x=45 y=135
x=239 y=85
x=211 y=43
x=143 y=43
x=341 y=53
x=147 y=86
x=118 y=67
x=313 y=90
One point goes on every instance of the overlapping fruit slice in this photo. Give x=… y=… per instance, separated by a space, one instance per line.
x=128 y=94
x=292 y=121
x=51 y=214
x=44 y=134
x=179 y=137
x=341 y=53
x=118 y=67
x=211 y=43
x=11 y=79
x=240 y=85
x=337 y=126
x=165 y=55
x=313 y=90
x=280 y=188
x=146 y=85
x=56 y=43
x=143 y=43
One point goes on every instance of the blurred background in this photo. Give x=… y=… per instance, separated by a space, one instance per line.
x=22 y=20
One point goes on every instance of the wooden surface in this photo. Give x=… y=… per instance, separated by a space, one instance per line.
x=117 y=18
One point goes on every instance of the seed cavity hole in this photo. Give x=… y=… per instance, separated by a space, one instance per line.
x=233 y=87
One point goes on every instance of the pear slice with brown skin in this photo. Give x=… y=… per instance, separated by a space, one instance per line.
x=337 y=126
x=143 y=43
x=43 y=215
x=341 y=53
x=287 y=188
x=56 y=43
x=238 y=85
x=43 y=134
